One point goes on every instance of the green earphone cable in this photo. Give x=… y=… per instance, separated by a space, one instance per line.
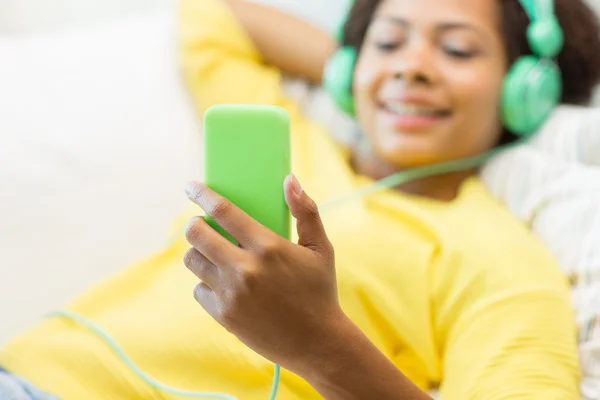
x=412 y=174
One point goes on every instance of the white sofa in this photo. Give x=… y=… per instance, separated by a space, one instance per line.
x=97 y=141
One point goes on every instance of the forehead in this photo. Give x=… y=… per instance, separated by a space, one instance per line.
x=481 y=14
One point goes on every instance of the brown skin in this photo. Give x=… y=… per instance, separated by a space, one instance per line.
x=247 y=288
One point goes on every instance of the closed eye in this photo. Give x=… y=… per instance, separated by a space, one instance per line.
x=456 y=53
x=386 y=46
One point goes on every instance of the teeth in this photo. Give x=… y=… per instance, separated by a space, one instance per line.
x=411 y=109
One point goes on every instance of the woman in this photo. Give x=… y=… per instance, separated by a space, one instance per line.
x=434 y=283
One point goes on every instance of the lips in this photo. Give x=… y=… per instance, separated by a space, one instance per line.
x=413 y=109
x=404 y=116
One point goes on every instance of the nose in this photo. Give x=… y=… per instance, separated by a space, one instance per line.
x=414 y=64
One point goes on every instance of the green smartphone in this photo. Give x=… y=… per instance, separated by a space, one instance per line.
x=246 y=159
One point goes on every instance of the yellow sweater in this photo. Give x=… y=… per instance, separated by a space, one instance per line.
x=454 y=293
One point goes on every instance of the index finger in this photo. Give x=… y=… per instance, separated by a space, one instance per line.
x=243 y=228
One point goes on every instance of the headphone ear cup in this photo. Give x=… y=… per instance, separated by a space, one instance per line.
x=545 y=93
x=532 y=89
x=337 y=78
x=513 y=93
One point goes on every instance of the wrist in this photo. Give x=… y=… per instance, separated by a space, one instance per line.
x=332 y=353
x=324 y=346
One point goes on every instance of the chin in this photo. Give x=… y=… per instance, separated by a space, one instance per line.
x=409 y=151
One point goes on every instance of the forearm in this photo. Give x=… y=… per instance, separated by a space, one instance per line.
x=350 y=367
x=284 y=41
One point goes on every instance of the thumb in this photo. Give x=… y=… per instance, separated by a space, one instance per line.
x=311 y=232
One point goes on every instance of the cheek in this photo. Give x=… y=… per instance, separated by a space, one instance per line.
x=479 y=97
x=479 y=89
x=364 y=76
x=364 y=85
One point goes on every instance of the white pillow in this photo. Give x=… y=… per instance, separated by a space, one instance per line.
x=97 y=141
x=36 y=16
x=572 y=134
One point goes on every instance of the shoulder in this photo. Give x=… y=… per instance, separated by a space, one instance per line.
x=498 y=244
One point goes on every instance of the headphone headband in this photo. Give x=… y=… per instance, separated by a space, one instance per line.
x=530 y=8
x=538 y=9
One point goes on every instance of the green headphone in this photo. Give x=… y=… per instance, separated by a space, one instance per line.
x=531 y=89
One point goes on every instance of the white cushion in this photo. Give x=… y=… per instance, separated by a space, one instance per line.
x=572 y=134
x=97 y=141
x=37 y=16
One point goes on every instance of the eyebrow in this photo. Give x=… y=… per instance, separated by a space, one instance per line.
x=448 y=26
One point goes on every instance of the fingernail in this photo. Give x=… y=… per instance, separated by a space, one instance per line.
x=296 y=186
x=193 y=220
x=191 y=188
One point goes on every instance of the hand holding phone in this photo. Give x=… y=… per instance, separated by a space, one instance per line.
x=253 y=280
x=277 y=297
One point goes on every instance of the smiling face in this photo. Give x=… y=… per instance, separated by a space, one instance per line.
x=428 y=79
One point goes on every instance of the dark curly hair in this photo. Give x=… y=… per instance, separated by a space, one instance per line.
x=579 y=60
